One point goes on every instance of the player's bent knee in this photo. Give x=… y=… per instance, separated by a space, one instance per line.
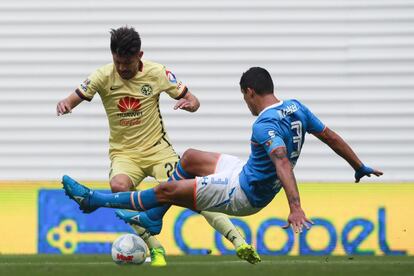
x=188 y=155
x=199 y=163
x=120 y=185
x=193 y=160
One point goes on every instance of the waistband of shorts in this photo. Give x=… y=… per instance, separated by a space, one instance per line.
x=161 y=144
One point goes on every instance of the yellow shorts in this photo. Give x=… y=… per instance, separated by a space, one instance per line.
x=159 y=162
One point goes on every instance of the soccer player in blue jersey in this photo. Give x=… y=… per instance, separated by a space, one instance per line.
x=222 y=183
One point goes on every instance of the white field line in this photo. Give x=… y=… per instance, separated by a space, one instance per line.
x=203 y=263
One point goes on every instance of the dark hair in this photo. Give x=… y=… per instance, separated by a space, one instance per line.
x=257 y=79
x=125 y=41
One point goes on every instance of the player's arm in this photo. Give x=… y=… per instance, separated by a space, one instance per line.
x=286 y=176
x=66 y=105
x=337 y=144
x=188 y=102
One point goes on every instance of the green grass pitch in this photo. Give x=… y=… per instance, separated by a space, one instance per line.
x=101 y=265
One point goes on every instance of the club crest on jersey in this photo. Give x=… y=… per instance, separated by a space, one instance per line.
x=171 y=77
x=146 y=90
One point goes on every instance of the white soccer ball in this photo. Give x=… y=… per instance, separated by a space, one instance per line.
x=129 y=249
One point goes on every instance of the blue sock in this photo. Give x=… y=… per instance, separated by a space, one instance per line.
x=140 y=201
x=147 y=199
x=119 y=200
x=181 y=173
x=159 y=212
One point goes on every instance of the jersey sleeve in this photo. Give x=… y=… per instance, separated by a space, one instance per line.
x=268 y=135
x=314 y=124
x=169 y=83
x=89 y=87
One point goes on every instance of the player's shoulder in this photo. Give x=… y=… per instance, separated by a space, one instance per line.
x=263 y=124
x=276 y=112
x=269 y=116
x=292 y=106
x=105 y=71
x=152 y=68
x=271 y=112
x=290 y=102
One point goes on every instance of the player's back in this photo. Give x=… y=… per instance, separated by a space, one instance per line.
x=280 y=125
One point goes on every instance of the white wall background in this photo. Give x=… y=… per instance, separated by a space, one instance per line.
x=350 y=61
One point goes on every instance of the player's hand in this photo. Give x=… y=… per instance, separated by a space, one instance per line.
x=366 y=171
x=63 y=107
x=184 y=104
x=298 y=220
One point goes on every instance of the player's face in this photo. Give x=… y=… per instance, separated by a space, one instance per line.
x=127 y=67
x=248 y=98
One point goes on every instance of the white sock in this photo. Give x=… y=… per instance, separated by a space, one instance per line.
x=222 y=224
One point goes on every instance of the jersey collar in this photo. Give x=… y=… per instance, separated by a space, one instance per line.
x=269 y=107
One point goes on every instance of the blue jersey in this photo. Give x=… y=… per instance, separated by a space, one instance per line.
x=280 y=125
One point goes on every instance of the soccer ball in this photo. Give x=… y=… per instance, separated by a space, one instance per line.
x=129 y=249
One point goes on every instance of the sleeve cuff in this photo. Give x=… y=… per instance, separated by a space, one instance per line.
x=318 y=132
x=182 y=95
x=274 y=149
x=83 y=97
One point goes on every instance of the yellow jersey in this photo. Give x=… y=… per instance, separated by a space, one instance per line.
x=132 y=106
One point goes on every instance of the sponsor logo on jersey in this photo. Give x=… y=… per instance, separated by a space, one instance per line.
x=220 y=181
x=129 y=108
x=288 y=110
x=146 y=90
x=129 y=104
x=130 y=122
x=171 y=77
x=112 y=88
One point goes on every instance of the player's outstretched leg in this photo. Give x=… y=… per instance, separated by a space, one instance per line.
x=78 y=193
x=177 y=192
x=90 y=200
x=141 y=219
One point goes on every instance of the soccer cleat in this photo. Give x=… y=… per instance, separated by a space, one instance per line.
x=158 y=256
x=140 y=219
x=78 y=193
x=248 y=253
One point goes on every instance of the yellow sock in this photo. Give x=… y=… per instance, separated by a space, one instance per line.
x=150 y=240
x=222 y=224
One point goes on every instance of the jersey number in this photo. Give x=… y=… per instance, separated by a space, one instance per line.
x=296 y=128
x=170 y=168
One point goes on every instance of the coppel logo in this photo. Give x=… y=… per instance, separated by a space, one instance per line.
x=63 y=229
x=337 y=236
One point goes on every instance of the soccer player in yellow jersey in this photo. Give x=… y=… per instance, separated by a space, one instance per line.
x=130 y=88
